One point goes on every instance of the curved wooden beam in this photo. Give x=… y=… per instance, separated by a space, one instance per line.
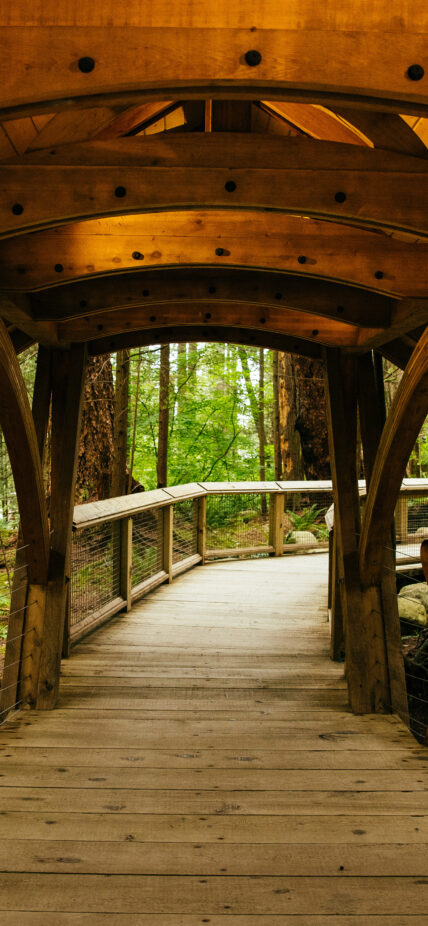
x=278 y=319
x=406 y=417
x=321 y=179
x=156 y=288
x=17 y=423
x=192 y=333
x=299 y=48
x=214 y=239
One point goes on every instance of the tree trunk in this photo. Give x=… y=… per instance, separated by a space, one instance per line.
x=311 y=422
x=261 y=424
x=96 y=441
x=289 y=438
x=119 y=482
x=162 y=463
x=275 y=416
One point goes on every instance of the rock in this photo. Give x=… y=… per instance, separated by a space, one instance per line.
x=302 y=537
x=421 y=532
x=411 y=610
x=418 y=591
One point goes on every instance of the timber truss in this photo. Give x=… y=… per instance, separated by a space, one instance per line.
x=176 y=172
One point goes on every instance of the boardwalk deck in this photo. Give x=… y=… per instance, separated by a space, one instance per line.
x=203 y=767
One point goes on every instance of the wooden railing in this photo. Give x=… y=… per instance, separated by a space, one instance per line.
x=125 y=547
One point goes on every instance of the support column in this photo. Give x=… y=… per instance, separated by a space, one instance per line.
x=67 y=394
x=25 y=626
x=371 y=401
x=364 y=637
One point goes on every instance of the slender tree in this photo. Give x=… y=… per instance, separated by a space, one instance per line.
x=119 y=483
x=164 y=380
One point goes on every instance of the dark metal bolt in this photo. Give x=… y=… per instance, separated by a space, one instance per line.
x=301 y=259
x=137 y=255
x=83 y=303
x=230 y=186
x=120 y=192
x=58 y=268
x=278 y=295
x=219 y=252
x=262 y=321
x=379 y=274
x=415 y=72
x=146 y=292
x=340 y=309
x=253 y=58
x=17 y=209
x=211 y=289
x=340 y=197
x=207 y=315
x=315 y=332
x=153 y=318
x=86 y=65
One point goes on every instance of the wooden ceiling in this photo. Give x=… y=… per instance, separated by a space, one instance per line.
x=176 y=168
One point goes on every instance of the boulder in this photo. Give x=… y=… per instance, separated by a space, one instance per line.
x=418 y=591
x=302 y=537
x=411 y=610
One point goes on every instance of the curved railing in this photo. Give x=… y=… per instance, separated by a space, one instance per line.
x=125 y=547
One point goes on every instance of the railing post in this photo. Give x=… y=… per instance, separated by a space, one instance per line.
x=201 y=509
x=402 y=518
x=168 y=520
x=276 y=523
x=126 y=561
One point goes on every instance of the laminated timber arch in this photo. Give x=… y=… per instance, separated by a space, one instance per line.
x=215 y=239
x=298 y=176
x=302 y=50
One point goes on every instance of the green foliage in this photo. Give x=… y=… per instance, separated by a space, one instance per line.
x=305 y=519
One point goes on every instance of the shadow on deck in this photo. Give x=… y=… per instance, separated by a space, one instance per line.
x=203 y=767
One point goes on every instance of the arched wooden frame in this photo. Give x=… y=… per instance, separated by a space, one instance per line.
x=247 y=287
x=405 y=419
x=277 y=319
x=17 y=424
x=200 y=171
x=277 y=51
x=174 y=334
x=265 y=241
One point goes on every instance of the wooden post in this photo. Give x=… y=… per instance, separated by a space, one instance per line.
x=19 y=648
x=276 y=523
x=168 y=516
x=67 y=394
x=364 y=638
x=201 y=503
x=126 y=561
x=402 y=518
x=371 y=402
x=337 y=638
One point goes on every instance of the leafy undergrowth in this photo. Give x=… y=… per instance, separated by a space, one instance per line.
x=415 y=650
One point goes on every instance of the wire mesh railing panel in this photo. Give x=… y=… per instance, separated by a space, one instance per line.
x=304 y=518
x=147 y=534
x=411 y=525
x=237 y=521
x=95 y=576
x=185 y=530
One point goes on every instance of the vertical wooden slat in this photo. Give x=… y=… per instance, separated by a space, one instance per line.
x=202 y=527
x=276 y=522
x=67 y=394
x=126 y=561
x=337 y=638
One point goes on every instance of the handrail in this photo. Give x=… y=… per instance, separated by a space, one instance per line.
x=125 y=547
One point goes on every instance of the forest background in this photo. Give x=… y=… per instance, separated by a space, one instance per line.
x=198 y=412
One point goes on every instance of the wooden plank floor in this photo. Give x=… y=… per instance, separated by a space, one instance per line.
x=203 y=767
